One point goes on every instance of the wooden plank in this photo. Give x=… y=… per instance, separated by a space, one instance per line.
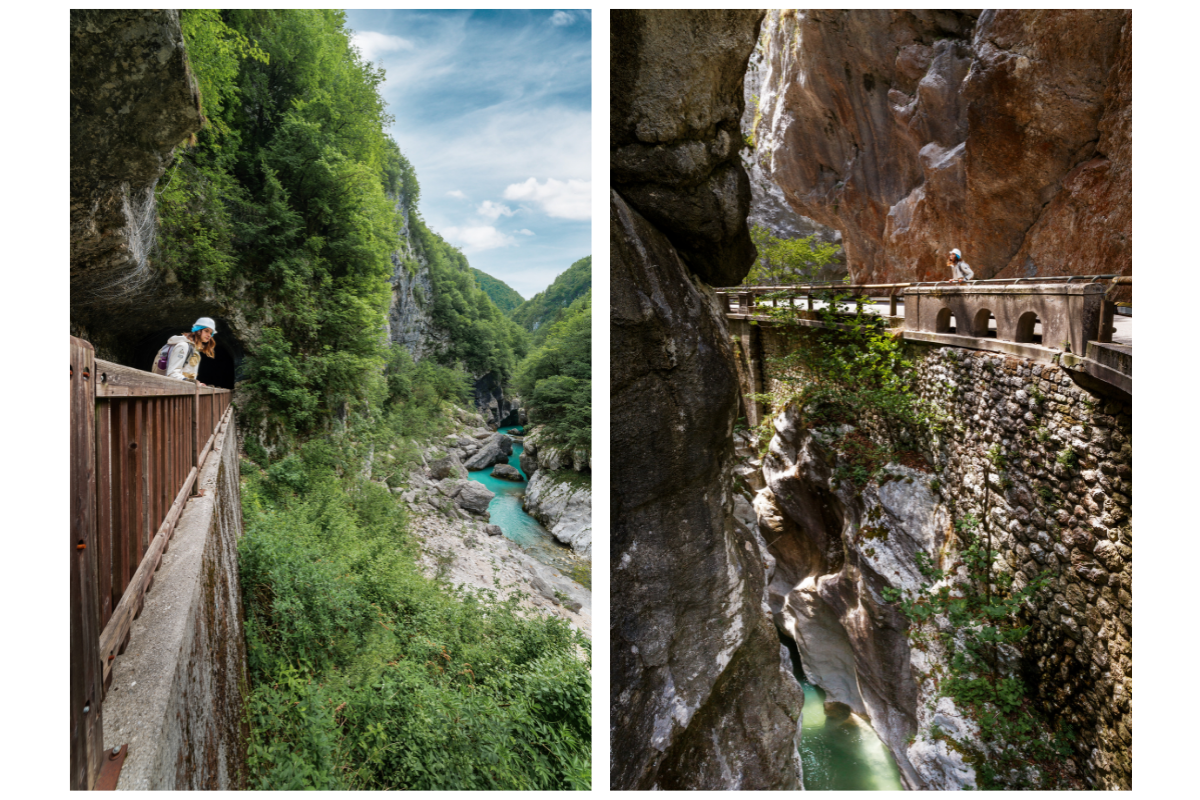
x=117 y=380
x=86 y=677
x=196 y=426
x=104 y=533
x=122 y=557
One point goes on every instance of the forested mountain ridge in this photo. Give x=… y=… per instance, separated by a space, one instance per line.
x=544 y=308
x=504 y=296
x=290 y=217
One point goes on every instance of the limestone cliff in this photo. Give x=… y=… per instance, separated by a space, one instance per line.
x=559 y=494
x=410 y=323
x=700 y=696
x=1005 y=133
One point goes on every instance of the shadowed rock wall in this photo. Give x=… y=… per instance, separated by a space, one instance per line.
x=700 y=696
x=1006 y=134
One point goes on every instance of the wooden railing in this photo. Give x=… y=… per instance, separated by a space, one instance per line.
x=138 y=443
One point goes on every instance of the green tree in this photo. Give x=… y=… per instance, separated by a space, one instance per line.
x=787 y=261
x=556 y=379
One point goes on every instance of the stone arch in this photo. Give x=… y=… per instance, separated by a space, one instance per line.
x=1027 y=324
x=945 y=321
x=980 y=326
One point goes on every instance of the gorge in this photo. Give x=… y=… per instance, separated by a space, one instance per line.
x=946 y=541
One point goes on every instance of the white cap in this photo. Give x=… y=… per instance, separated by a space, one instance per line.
x=205 y=322
x=955 y=252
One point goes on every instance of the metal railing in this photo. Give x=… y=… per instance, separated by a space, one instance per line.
x=136 y=454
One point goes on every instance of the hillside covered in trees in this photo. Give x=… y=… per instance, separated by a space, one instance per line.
x=545 y=308
x=284 y=212
x=504 y=296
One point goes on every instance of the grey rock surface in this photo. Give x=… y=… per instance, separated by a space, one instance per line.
x=474 y=497
x=495 y=450
x=507 y=473
x=693 y=649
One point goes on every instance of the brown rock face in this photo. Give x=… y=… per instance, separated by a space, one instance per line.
x=133 y=100
x=700 y=696
x=1007 y=135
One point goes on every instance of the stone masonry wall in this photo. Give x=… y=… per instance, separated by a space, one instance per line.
x=1059 y=503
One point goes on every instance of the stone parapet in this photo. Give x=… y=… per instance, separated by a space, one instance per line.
x=1071 y=315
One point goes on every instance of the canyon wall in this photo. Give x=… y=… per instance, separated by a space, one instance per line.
x=1056 y=497
x=1006 y=134
x=701 y=698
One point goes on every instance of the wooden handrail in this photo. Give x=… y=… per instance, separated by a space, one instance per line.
x=135 y=457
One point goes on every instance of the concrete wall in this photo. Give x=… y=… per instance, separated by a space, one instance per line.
x=177 y=693
x=1045 y=514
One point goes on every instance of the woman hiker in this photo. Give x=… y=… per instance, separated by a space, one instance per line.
x=959 y=269
x=183 y=351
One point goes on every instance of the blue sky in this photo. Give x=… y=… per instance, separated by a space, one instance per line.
x=493 y=110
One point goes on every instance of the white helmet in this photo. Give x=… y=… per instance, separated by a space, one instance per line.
x=205 y=322
x=955 y=252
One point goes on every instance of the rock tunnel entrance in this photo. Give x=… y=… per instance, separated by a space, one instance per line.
x=222 y=371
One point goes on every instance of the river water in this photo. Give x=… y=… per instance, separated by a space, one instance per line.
x=506 y=511
x=840 y=754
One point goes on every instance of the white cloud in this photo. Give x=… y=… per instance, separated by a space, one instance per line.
x=457 y=193
x=474 y=239
x=494 y=210
x=566 y=200
x=373 y=44
x=525 y=232
x=560 y=18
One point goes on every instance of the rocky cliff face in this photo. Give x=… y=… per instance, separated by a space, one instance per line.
x=768 y=206
x=133 y=100
x=1006 y=134
x=410 y=319
x=700 y=695
x=559 y=494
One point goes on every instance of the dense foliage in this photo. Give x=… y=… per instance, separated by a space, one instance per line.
x=556 y=379
x=481 y=337
x=545 y=308
x=851 y=370
x=787 y=261
x=504 y=296
x=364 y=673
x=295 y=182
x=286 y=207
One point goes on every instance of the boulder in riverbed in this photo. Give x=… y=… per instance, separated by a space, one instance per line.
x=447 y=467
x=507 y=473
x=495 y=450
x=474 y=497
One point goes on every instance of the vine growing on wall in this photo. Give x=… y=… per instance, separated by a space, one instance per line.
x=851 y=371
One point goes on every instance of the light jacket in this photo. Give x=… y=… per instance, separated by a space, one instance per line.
x=963 y=270
x=179 y=366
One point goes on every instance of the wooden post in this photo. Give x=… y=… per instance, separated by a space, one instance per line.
x=196 y=427
x=892 y=304
x=87 y=730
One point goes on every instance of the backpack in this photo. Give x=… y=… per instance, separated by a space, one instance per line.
x=164 y=357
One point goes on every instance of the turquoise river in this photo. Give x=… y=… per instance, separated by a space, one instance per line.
x=506 y=511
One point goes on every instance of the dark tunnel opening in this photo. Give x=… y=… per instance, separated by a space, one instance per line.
x=223 y=370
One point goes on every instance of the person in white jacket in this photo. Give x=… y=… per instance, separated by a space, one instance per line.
x=959 y=270
x=184 y=361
